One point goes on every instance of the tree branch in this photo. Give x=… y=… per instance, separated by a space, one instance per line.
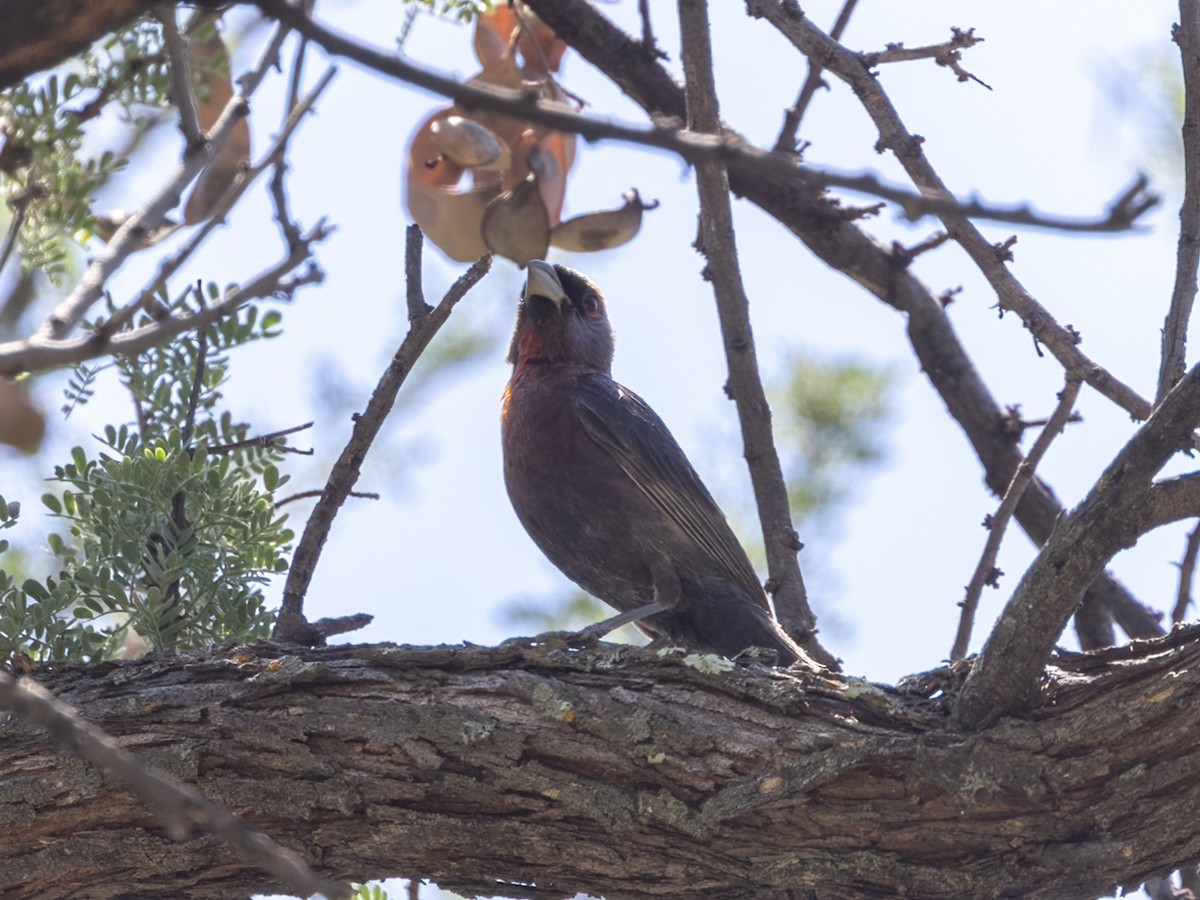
x=129 y=236
x=1118 y=509
x=280 y=280
x=182 y=94
x=990 y=260
x=618 y=772
x=180 y=807
x=730 y=149
x=985 y=571
x=1187 y=263
x=787 y=142
x=718 y=244
x=291 y=625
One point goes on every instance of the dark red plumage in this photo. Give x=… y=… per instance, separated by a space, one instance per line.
x=605 y=491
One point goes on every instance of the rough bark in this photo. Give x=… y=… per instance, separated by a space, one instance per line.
x=39 y=34
x=618 y=772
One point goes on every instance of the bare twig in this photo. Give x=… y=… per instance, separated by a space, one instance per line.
x=91 y=287
x=415 y=293
x=894 y=136
x=10 y=239
x=280 y=280
x=718 y=244
x=189 y=422
x=730 y=149
x=648 y=42
x=308 y=495
x=181 y=77
x=1187 y=572
x=948 y=53
x=1187 y=260
x=291 y=624
x=788 y=140
x=262 y=441
x=287 y=226
x=985 y=571
x=182 y=808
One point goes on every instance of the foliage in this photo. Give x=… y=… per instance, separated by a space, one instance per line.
x=169 y=536
x=828 y=416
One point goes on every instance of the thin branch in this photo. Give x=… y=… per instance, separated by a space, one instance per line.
x=948 y=54
x=695 y=148
x=291 y=624
x=129 y=236
x=189 y=422
x=308 y=495
x=1187 y=260
x=262 y=441
x=10 y=239
x=1187 y=572
x=788 y=139
x=415 y=293
x=180 y=69
x=991 y=261
x=648 y=42
x=287 y=226
x=182 y=808
x=718 y=244
x=1122 y=505
x=279 y=280
x=985 y=571
x=241 y=183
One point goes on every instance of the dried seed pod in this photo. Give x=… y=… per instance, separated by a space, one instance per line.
x=469 y=144
x=452 y=220
x=602 y=230
x=516 y=224
x=108 y=224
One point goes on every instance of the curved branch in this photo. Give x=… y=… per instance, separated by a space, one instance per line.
x=1122 y=506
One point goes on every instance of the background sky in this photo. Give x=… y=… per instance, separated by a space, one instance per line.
x=439 y=557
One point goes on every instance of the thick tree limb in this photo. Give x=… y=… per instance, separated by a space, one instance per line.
x=617 y=772
x=39 y=34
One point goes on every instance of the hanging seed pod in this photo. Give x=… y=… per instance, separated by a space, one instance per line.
x=516 y=224
x=469 y=144
x=602 y=230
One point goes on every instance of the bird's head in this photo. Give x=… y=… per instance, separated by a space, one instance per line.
x=561 y=319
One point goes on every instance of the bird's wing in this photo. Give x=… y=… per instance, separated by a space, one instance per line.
x=621 y=422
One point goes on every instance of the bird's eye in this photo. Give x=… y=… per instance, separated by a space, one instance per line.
x=590 y=304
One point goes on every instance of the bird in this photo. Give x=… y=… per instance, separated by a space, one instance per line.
x=605 y=491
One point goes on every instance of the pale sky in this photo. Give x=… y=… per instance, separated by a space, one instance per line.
x=436 y=560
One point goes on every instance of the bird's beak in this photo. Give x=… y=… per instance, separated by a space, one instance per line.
x=542 y=281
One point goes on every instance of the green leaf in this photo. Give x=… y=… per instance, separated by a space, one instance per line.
x=52 y=503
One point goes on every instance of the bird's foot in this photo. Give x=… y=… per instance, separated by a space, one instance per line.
x=565 y=640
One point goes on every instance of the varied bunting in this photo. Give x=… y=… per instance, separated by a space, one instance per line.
x=605 y=491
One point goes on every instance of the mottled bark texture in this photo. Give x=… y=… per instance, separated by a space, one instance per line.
x=39 y=34
x=617 y=772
